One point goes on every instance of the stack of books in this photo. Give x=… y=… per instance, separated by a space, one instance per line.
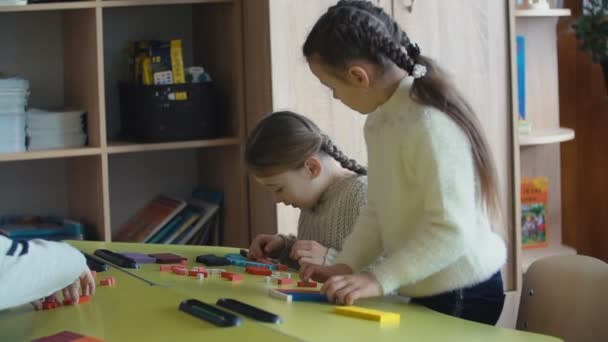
x=55 y=129
x=170 y=220
x=14 y=94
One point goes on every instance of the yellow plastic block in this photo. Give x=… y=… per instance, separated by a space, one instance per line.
x=383 y=317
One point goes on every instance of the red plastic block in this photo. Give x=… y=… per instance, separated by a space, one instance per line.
x=87 y=339
x=285 y=281
x=281 y=267
x=62 y=336
x=180 y=271
x=262 y=271
x=193 y=273
x=234 y=277
x=49 y=305
x=168 y=258
x=307 y=284
x=83 y=299
x=109 y=281
x=226 y=274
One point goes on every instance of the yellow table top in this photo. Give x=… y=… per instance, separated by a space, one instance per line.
x=307 y=321
x=131 y=311
x=135 y=310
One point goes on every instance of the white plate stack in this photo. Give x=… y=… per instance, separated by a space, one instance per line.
x=48 y=129
x=14 y=93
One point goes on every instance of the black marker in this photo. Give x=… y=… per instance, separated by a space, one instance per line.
x=209 y=313
x=115 y=258
x=94 y=264
x=248 y=310
x=212 y=260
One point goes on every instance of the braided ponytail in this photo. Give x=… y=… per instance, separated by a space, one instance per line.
x=355 y=29
x=333 y=151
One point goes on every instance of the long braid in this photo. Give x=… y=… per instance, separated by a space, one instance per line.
x=333 y=151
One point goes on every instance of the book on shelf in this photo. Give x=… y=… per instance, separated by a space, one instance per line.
x=524 y=126
x=27 y=227
x=534 y=203
x=208 y=211
x=148 y=220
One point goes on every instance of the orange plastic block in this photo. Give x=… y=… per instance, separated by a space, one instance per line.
x=262 y=271
x=285 y=281
x=307 y=284
x=282 y=267
x=84 y=299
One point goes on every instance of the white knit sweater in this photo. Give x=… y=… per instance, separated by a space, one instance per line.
x=31 y=270
x=333 y=217
x=424 y=205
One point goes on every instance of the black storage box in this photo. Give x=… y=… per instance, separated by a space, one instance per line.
x=167 y=112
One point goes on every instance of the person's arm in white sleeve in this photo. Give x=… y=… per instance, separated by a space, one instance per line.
x=31 y=270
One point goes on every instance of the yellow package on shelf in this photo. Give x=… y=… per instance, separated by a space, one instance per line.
x=177 y=62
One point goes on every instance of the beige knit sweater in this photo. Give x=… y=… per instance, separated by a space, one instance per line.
x=332 y=219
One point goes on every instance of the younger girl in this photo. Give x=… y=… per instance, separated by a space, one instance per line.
x=432 y=182
x=287 y=153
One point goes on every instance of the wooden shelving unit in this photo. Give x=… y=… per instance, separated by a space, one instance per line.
x=540 y=150
x=72 y=54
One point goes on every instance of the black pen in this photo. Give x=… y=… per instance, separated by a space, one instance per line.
x=115 y=258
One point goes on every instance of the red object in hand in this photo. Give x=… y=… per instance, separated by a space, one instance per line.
x=307 y=284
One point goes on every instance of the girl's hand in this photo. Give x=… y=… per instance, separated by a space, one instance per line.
x=266 y=246
x=308 y=252
x=346 y=289
x=321 y=273
x=86 y=282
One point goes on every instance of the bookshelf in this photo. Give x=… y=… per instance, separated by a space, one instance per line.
x=539 y=153
x=72 y=54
